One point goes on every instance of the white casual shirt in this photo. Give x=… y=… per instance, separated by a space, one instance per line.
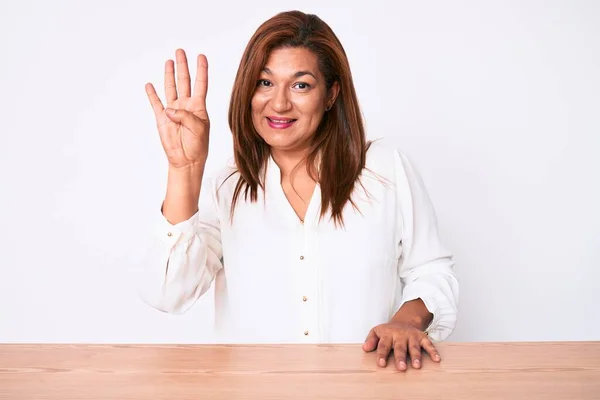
x=281 y=280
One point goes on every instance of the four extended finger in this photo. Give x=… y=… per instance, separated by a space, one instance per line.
x=183 y=74
x=201 y=82
x=155 y=102
x=170 y=88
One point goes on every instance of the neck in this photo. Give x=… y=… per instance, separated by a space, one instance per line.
x=288 y=160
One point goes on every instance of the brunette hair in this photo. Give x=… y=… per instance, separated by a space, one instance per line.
x=339 y=146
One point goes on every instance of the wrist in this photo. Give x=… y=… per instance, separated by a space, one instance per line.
x=183 y=191
x=413 y=321
x=188 y=177
x=191 y=170
x=414 y=313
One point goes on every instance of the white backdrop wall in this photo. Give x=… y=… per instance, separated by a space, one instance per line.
x=497 y=102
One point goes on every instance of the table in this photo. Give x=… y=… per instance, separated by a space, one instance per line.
x=559 y=370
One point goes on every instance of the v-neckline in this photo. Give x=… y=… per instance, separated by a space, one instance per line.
x=273 y=185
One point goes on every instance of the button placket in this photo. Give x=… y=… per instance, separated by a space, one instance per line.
x=308 y=289
x=303 y=266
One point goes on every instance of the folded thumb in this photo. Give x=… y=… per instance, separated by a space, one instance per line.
x=176 y=115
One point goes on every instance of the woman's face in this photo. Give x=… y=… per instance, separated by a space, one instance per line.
x=290 y=99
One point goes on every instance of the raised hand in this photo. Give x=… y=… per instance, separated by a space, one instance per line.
x=184 y=125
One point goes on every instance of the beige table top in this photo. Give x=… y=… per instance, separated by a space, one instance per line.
x=563 y=370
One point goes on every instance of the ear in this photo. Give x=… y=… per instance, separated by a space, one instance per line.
x=332 y=95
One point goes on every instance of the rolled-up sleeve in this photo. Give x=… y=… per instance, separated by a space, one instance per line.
x=181 y=260
x=426 y=267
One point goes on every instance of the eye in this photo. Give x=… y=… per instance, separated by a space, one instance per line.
x=263 y=82
x=302 y=85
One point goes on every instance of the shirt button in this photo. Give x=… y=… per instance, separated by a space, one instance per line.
x=305 y=333
x=302 y=257
x=304 y=298
x=169 y=234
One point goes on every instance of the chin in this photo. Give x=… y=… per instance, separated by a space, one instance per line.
x=277 y=141
x=281 y=141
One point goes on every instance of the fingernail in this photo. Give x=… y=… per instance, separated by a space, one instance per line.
x=402 y=365
x=382 y=362
x=437 y=357
x=417 y=362
x=170 y=111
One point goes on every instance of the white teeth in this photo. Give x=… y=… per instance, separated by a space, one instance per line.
x=281 y=121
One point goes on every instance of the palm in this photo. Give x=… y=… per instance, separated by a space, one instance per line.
x=185 y=142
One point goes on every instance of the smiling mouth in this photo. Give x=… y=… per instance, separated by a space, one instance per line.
x=281 y=121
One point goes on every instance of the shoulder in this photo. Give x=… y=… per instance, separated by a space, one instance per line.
x=222 y=178
x=385 y=160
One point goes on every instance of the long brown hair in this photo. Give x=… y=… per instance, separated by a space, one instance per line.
x=339 y=145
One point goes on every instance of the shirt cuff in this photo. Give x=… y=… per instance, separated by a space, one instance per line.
x=444 y=315
x=171 y=234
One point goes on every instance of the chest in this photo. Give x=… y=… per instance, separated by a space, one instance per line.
x=298 y=194
x=271 y=237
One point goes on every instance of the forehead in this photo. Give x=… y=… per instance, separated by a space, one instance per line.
x=288 y=61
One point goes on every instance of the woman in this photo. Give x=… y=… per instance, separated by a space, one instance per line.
x=313 y=235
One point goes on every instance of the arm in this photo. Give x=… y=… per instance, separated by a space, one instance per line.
x=426 y=271
x=184 y=252
x=426 y=268
x=183 y=192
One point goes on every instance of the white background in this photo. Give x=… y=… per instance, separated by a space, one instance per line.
x=497 y=102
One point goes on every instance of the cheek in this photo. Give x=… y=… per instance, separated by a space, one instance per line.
x=310 y=107
x=258 y=103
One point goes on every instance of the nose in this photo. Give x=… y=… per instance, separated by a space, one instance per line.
x=281 y=100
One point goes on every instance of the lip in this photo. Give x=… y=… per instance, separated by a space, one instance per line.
x=280 y=125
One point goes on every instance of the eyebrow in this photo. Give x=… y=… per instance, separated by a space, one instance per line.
x=296 y=75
